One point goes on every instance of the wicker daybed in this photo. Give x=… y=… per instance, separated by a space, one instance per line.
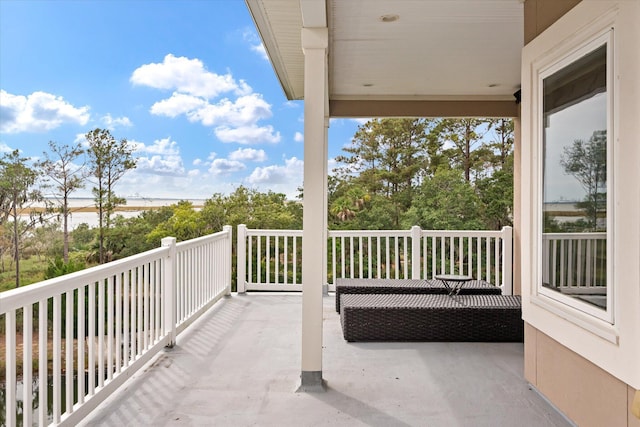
x=431 y=317
x=408 y=286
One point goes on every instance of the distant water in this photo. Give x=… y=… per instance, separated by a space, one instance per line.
x=134 y=207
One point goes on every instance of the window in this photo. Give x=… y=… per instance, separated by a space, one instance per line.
x=575 y=202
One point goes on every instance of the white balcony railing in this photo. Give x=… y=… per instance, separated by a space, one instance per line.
x=107 y=322
x=574 y=261
x=271 y=259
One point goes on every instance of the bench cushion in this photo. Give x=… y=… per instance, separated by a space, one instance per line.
x=408 y=286
x=431 y=317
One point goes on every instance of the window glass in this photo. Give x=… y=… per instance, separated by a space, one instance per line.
x=574 y=179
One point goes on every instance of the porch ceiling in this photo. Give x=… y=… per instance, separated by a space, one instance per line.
x=454 y=50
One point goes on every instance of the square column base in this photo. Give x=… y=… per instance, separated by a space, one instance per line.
x=311 y=382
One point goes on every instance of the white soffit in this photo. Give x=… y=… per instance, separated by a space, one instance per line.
x=436 y=49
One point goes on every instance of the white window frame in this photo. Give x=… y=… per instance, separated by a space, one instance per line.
x=566 y=306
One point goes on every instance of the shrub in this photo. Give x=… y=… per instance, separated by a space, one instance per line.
x=58 y=267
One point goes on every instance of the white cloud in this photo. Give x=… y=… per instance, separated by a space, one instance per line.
x=248 y=154
x=255 y=44
x=178 y=104
x=298 y=137
x=38 y=112
x=4 y=148
x=225 y=166
x=194 y=88
x=187 y=76
x=260 y=50
x=164 y=158
x=197 y=162
x=244 y=111
x=248 y=135
x=290 y=173
x=112 y=122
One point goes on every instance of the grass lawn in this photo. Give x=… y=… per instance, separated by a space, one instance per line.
x=31 y=271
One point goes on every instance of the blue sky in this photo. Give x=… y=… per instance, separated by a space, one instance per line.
x=187 y=83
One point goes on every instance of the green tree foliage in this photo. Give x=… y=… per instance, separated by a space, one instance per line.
x=447 y=201
x=466 y=135
x=184 y=224
x=82 y=236
x=587 y=162
x=395 y=161
x=253 y=208
x=65 y=177
x=17 y=189
x=387 y=157
x=496 y=194
x=109 y=159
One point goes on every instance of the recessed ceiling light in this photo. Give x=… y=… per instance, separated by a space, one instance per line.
x=389 y=18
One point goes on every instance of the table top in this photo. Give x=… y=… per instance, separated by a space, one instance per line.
x=453 y=277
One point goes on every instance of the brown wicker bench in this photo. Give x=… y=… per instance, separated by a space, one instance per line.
x=435 y=317
x=408 y=286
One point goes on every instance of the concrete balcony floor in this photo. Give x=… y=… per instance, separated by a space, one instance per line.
x=240 y=363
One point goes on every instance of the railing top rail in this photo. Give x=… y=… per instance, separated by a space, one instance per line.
x=575 y=236
x=372 y=233
x=461 y=233
x=200 y=240
x=257 y=232
x=381 y=233
x=20 y=297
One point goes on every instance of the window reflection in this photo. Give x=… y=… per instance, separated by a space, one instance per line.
x=574 y=186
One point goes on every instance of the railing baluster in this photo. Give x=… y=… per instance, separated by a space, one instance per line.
x=126 y=315
x=68 y=358
x=259 y=260
x=361 y=257
x=267 y=258
x=140 y=314
x=10 y=369
x=101 y=320
x=91 y=338
x=470 y=257
x=81 y=343
x=369 y=258
x=57 y=354
x=277 y=261
x=496 y=259
x=488 y=262
x=250 y=260
x=27 y=366
x=295 y=260
x=43 y=381
x=351 y=258
x=110 y=337
x=286 y=260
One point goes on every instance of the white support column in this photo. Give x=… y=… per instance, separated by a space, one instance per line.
x=314 y=224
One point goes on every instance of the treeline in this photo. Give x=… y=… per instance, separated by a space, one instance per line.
x=435 y=173
x=64 y=169
x=449 y=174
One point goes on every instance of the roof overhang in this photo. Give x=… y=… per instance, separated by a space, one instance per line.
x=402 y=58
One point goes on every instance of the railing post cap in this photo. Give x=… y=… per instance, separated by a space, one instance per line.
x=168 y=241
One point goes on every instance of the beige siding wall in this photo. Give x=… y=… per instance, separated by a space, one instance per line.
x=540 y=14
x=585 y=393
x=582 y=391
